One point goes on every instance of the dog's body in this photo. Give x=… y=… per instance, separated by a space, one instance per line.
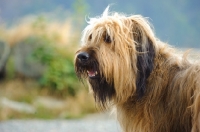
x=127 y=67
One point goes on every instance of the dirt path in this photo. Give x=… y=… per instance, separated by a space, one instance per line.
x=92 y=123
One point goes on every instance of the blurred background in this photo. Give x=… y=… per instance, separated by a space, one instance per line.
x=38 y=41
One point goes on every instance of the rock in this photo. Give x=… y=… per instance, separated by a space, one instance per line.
x=24 y=61
x=49 y=102
x=18 y=106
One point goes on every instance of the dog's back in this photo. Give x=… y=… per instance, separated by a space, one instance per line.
x=172 y=99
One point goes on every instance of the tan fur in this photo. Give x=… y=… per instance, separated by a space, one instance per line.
x=172 y=96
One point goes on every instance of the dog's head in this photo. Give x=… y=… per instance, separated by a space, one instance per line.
x=116 y=56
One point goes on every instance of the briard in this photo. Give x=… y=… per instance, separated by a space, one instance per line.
x=128 y=68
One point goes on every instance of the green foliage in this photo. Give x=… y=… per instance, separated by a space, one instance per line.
x=45 y=51
x=59 y=73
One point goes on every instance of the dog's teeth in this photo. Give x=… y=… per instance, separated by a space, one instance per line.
x=92 y=73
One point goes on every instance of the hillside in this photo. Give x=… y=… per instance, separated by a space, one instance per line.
x=176 y=22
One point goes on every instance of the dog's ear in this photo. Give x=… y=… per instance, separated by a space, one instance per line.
x=145 y=57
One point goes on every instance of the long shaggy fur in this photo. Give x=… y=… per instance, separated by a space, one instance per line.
x=127 y=67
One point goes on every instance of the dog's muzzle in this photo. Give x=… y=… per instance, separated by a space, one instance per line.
x=85 y=62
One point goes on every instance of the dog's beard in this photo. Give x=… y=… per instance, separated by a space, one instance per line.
x=103 y=91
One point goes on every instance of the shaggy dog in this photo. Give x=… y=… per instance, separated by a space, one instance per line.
x=127 y=67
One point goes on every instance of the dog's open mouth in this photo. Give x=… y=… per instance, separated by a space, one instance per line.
x=92 y=73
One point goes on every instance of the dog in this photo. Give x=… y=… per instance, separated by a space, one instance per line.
x=127 y=68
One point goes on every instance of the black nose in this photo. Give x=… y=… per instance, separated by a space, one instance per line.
x=83 y=56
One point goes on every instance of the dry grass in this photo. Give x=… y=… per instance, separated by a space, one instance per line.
x=61 y=32
x=27 y=91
